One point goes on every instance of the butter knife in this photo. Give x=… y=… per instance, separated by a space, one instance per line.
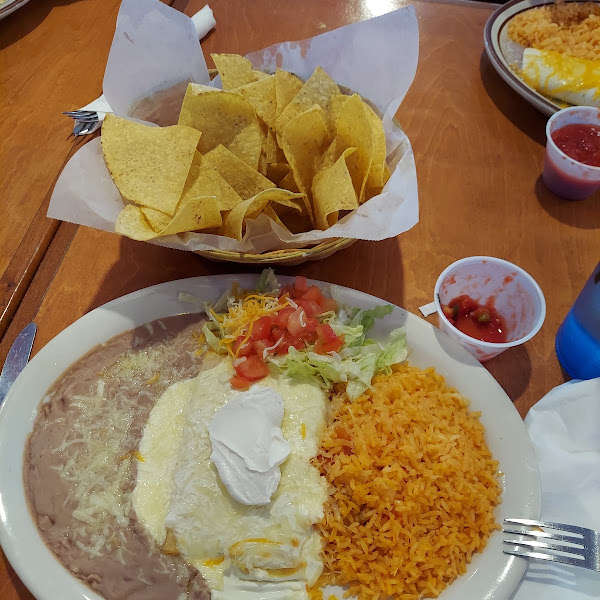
x=17 y=358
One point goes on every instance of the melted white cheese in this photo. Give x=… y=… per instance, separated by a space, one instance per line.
x=179 y=487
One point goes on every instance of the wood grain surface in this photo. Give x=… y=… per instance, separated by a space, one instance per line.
x=478 y=147
x=52 y=58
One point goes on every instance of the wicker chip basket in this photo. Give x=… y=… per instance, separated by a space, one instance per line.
x=291 y=256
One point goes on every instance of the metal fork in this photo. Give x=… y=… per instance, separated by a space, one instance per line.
x=583 y=549
x=85 y=120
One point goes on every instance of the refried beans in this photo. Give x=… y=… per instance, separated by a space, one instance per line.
x=81 y=462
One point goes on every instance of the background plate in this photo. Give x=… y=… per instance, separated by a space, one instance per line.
x=503 y=52
x=10 y=6
x=491 y=575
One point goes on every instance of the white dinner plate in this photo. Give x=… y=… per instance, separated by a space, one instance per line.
x=504 y=53
x=492 y=575
x=10 y=6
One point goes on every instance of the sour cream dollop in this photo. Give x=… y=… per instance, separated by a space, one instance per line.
x=248 y=445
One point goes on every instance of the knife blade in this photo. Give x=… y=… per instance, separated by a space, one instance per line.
x=17 y=358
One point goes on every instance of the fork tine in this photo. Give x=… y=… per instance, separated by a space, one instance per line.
x=84 y=119
x=79 y=113
x=542 y=556
x=543 y=545
x=559 y=526
x=544 y=534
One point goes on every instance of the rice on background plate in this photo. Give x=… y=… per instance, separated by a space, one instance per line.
x=571 y=28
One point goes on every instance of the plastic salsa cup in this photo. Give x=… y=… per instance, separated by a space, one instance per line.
x=563 y=175
x=514 y=294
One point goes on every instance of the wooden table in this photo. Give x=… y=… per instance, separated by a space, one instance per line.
x=52 y=58
x=478 y=148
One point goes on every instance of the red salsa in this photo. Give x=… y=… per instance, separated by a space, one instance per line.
x=475 y=320
x=579 y=141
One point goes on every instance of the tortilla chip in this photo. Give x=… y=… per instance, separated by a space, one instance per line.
x=260 y=75
x=317 y=90
x=273 y=152
x=158 y=220
x=148 y=164
x=333 y=191
x=286 y=198
x=289 y=183
x=333 y=110
x=375 y=178
x=132 y=223
x=224 y=118
x=262 y=164
x=287 y=86
x=353 y=130
x=330 y=155
x=244 y=180
x=235 y=70
x=304 y=140
x=261 y=95
x=195 y=214
x=251 y=208
x=277 y=171
x=203 y=180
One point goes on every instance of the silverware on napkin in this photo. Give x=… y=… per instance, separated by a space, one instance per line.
x=17 y=358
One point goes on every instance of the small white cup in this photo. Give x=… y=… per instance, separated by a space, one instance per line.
x=516 y=296
x=563 y=175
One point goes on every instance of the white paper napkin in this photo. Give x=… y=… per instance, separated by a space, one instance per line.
x=203 y=21
x=564 y=427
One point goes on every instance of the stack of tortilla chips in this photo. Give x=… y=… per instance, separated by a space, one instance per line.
x=302 y=153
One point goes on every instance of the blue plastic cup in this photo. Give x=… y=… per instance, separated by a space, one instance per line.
x=578 y=338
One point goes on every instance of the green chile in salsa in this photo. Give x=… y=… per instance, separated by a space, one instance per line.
x=481 y=322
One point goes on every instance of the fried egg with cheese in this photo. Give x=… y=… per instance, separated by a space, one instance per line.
x=243 y=551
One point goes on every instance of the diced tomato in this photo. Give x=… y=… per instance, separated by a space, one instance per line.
x=281 y=317
x=239 y=383
x=297 y=341
x=240 y=350
x=276 y=333
x=287 y=290
x=261 y=328
x=328 y=340
x=310 y=337
x=326 y=333
x=297 y=321
x=313 y=293
x=300 y=285
x=252 y=368
x=282 y=348
x=328 y=304
x=259 y=347
x=326 y=347
x=311 y=308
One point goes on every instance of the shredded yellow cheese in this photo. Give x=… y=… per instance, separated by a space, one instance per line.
x=240 y=318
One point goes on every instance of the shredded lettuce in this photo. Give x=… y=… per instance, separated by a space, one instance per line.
x=366 y=318
x=354 y=365
x=267 y=283
x=211 y=339
x=357 y=362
